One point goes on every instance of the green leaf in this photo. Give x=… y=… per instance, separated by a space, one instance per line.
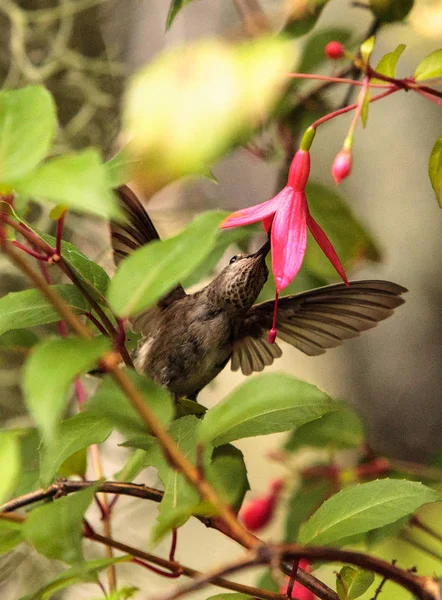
x=151 y=271
x=30 y=308
x=167 y=117
x=27 y=129
x=313 y=52
x=122 y=594
x=377 y=536
x=366 y=49
x=435 y=169
x=351 y=240
x=227 y=473
x=78 y=180
x=352 y=582
x=364 y=109
x=111 y=403
x=223 y=240
x=387 y=64
x=10 y=463
x=341 y=429
x=118 y=167
x=180 y=499
x=174 y=9
x=86 y=572
x=73 y=435
x=430 y=67
x=302 y=18
x=49 y=372
x=365 y=507
x=303 y=502
x=87 y=270
x=28 y=481
x=263 y=404
x=135 y=464
x=11 y=534
x=388 y=11
x=75 y=464
x=18 y=338
x=55 y=529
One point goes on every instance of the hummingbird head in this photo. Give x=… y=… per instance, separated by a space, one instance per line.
x=240 y=282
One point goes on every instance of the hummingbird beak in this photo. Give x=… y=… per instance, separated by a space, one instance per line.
x=263 y=251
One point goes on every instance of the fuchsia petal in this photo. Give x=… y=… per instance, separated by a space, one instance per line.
x=289 y=238
x=326 y=246
x=252 y=214
x=299 y=171
x=267 y=223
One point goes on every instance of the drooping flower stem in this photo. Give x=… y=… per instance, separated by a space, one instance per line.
x=272 y=333
x=351 y=107
x=334 y=79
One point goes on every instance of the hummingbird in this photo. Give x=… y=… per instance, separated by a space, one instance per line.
x=187 y=339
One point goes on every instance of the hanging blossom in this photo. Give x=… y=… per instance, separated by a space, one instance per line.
x=286 y=218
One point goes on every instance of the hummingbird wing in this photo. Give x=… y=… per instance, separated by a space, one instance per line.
x=127 y=237
x=314 y=321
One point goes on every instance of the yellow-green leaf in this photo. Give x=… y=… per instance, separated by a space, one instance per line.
x=430 y=67
x=435 y=169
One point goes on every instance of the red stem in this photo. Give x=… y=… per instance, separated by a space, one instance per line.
x=29 y=251
x=173 y=545
x=431 y=97
x=141 y=563
x=97 y=323
x=291 y=582
x=120 y=336
x=350 y=107
x=60 y=225
x=333 y=79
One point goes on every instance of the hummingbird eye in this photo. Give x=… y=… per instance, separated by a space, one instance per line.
x=233 y=259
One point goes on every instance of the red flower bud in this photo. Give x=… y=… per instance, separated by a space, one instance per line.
x=257 y=514
x=334 y=50
x=341 y=165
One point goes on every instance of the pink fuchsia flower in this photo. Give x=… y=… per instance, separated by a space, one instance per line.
x=341 y=167
x=287 y=217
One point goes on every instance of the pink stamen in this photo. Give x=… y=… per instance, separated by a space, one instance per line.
x=272 y=333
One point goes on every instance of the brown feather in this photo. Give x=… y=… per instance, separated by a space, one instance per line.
x=315 y=320
x=127 y=237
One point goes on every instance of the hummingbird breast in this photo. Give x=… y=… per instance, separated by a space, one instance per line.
x=190 y=346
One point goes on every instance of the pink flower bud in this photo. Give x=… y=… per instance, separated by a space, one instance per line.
x=257 y=514
x=341 y=165
x=334 y=50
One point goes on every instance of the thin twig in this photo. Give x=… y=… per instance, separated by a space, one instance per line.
x=64 y=487
x=187 y=571
x=62 y=308
x=258 y=557
x=178 y=459
x=422 y=587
